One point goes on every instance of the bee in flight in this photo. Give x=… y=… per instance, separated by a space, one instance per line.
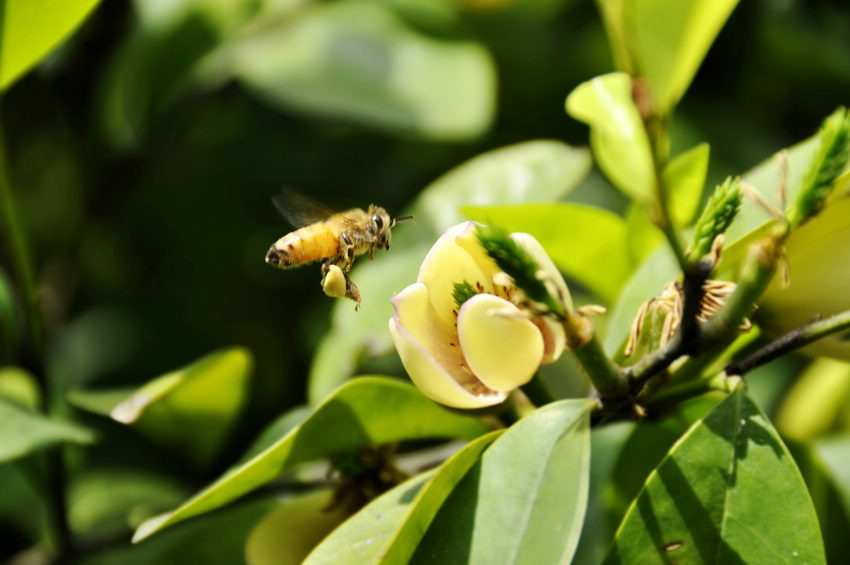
x=336 y=237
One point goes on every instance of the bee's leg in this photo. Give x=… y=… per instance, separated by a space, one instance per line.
x=371 y=252
x=352 y=292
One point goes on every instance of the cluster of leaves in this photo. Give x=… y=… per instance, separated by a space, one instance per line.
x=687 y=484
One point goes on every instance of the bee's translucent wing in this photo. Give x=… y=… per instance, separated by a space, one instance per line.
x=300 y=210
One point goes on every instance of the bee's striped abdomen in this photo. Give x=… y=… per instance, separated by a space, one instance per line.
x=310 y=243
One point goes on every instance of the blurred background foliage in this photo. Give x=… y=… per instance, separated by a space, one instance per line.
x=146 y=150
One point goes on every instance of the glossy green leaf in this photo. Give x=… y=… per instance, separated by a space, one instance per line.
x=533 y=171
x=23 y=431
x=645 y=448
x=524 y=502
x=389 y=529
x=30 y=29
x=359 y=60
x=818 y=402
x=617 y=135
x=281 y=426
x=728 y=492
x=606 y=443
x=664 y=41
x=684 y=177
x=290 y=531
x=647 y=281
x=601 y=263
x=190 y=410
x=539 y=170
x=365 y=411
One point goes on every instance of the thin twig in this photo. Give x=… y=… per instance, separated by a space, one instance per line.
x=791 y=341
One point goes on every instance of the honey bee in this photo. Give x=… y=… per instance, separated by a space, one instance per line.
x=336 y=237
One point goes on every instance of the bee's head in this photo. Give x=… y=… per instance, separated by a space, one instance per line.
x=381 y=224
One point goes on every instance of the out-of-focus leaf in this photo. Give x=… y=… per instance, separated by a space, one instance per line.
x=217 y=539
x=539 y=170
x=21 y=501
x=819 y=263
x=524 y=502
x=647 y=281
x=29 y=29
x=23 y=431
x=728 y=492
x=18 y=386
x=606 y=443
x=290 y=531
x=684 y=177
x=389 y=529
x=602 y=263
x=108 y=502
x=644 y=237
x=818 y=402
x=663 y=40
x=534 y=171
x=191 y=409
x=617 y=134
x=362 y=412
x=358 y=60
x=834 y=452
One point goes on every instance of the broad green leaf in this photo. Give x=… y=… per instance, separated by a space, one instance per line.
x=366 y=411
x=23 y=432
x=664 y=41
x=190 y=410
x=360 y=61
x=276 y=430
x=524 y=502
x=728 y=492
x=602 y=263
x=606 y=443
x=106 y=502
x=647 y=445
x=684 y=177
x=30 y=29
x=539 y=170
x=216 y=539
x=290 y=531
x=818 y=402
x=643 y=236
x=18 y=386
x=617 y=135
x=647 y=281
x=533 y=171
x=389 y=529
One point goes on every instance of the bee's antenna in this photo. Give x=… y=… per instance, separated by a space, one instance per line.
x=403 y=220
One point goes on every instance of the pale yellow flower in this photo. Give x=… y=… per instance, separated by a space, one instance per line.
x=473 y=355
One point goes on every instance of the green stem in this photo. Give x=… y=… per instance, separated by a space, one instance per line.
x=537 y=391
x=608 y=378
x=34 y=354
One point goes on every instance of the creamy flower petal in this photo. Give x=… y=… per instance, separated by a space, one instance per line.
x=554 y=338
x=430 y=378
x=438 y=343
x=447 y=264
x=500 y=345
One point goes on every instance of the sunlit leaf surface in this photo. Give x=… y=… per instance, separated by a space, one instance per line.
x=388 y=530
x=728 y=492
x=363 y=412
x=525 y=501
x=29 y=29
